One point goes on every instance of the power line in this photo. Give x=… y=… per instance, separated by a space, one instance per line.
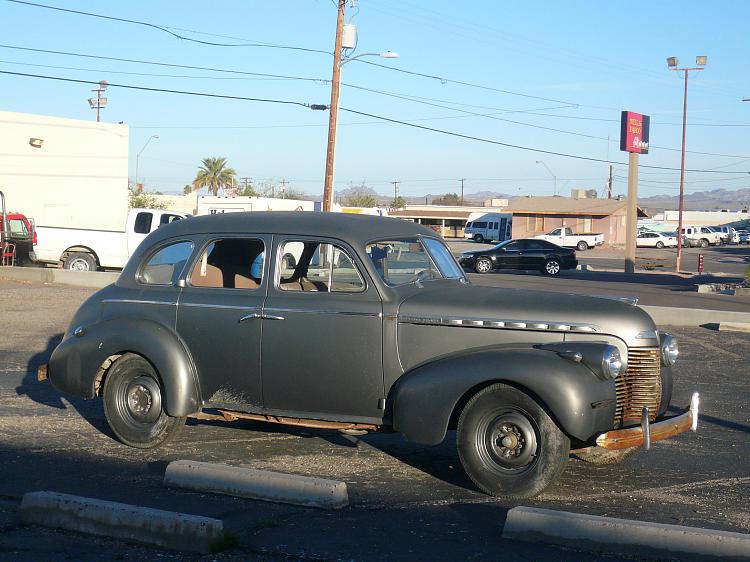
x=168 y=30
x=156 y=63
x=519 y=147
x=163 y=90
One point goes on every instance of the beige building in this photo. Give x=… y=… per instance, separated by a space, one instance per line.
x=537 y=215
x=64 y=172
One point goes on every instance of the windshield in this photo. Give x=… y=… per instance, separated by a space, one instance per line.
x=502 y=244
x=399 y=262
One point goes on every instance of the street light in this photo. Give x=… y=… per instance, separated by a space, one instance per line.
x=673 y=64
x=338 y=62
x=554 y=177
x=137 y=157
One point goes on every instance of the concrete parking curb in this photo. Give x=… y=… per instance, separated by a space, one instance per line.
x=178 y=531
x=572 y=529
x=93 y=279
x=675 y=316
x=257 y=484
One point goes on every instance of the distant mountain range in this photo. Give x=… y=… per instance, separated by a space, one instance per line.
x=732 y=199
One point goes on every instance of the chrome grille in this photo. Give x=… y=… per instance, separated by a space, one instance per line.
x=639 y=386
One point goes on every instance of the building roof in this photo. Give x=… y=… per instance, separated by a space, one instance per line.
x=567 y=206
x=432 y=213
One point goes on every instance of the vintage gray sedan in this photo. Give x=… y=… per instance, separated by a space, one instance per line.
x=366 y=323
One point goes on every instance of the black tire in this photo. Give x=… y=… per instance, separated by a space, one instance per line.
x=660 y=245
x=483 y=265
x=508 y=445
x=133 y=404
x=603 y=457
x=80 y=261
x=703 y=243
x=478 y=238
x=582 y=246
x=552 y=267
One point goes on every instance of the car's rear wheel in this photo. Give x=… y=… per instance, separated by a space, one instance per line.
x=601 y=456
x=660 y=244
x=582 y=246
x=508 y=445
x=478 y=238
x=703 y=243
x=552 y=267
x=483 y=265
x=133 y=404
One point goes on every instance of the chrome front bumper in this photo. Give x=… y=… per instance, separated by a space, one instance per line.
x=647 y=432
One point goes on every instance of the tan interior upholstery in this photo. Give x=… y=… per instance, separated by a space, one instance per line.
x=206 y=276
x=243 y=282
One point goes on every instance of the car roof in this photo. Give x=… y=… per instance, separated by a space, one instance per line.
x=350 y=227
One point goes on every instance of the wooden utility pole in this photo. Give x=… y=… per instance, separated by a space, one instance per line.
x=609 y=183
x=462 y=190
x=395 y=191
x=333 y=109
x=632 y=209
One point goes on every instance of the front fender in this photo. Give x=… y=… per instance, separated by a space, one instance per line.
x=75 y=362
x=424 y=399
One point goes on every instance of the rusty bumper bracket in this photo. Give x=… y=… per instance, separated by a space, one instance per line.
x=647 y=433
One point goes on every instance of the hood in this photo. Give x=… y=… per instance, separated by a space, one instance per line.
x=551 y=311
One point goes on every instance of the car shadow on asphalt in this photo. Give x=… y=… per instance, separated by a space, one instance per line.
x=703 y=418
x=44 y=393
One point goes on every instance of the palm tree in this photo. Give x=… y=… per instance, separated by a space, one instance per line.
x=214 y=174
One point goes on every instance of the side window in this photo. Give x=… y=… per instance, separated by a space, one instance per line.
x=512 y=246
x=165 y=266
x=230 y=263
x=143 y=223
x=480 y=224
x=167 y=219
x=468 y=225
x=18 y=227
x=317 y=267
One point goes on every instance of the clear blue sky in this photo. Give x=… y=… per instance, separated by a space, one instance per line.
x=596 y=58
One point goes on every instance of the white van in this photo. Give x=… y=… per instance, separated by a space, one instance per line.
x=489 y=227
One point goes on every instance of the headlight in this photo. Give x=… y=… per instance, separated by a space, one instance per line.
x=611 y=362
x=669 y=349
x=464 y=256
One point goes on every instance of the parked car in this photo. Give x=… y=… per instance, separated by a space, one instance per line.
x=566 y=238
x=83 y=249
x=701 y=236
x=647 y=239
x=375 y=328
x=726 y=233
x=743 y=237
x=521 y=254
x=488 y=227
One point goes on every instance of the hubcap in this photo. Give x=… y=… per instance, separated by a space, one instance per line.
x=553 y=267
x=511 y=442
x=483 y=266
x=143 y=399
x=79 y=265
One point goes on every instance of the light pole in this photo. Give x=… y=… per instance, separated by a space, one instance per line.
x=672 y=63
x=338 y=61
x=554 y=177
x=137 y=157
x=99 y=102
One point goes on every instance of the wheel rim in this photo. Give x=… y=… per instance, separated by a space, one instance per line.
x=582 y=246
x=483 y=266
x=552 y=267
x=660 y=245
x=508 y=442
x=79 y=264
x=138 y=401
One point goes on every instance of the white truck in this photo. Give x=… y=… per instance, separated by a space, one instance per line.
x=701 y=236
x=83 y=249
x=564 y=236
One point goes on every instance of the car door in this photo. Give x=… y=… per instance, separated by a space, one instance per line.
x=322 y=335
x=533 y=253
x=509 y=256
x=219 y=318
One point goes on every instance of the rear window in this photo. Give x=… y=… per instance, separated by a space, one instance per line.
x=143 y=223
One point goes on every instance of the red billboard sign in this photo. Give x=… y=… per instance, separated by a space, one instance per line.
x=634 y=132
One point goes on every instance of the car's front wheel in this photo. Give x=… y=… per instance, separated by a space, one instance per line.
x=478 y=238
x=508 y=444
x=133 y=404
x=551 y=267
x=483 y=265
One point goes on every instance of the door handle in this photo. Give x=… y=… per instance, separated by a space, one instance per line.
x=253 y=316
x=271 y=317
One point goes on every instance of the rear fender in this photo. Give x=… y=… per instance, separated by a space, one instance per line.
x=424 y=399
x=74 y=363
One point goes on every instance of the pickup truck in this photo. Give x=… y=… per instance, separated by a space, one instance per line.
x=701 y=236
x=21 y=233
x=564 y=237
x=82 y=249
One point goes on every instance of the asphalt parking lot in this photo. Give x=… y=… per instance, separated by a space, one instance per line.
x=408 y=501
